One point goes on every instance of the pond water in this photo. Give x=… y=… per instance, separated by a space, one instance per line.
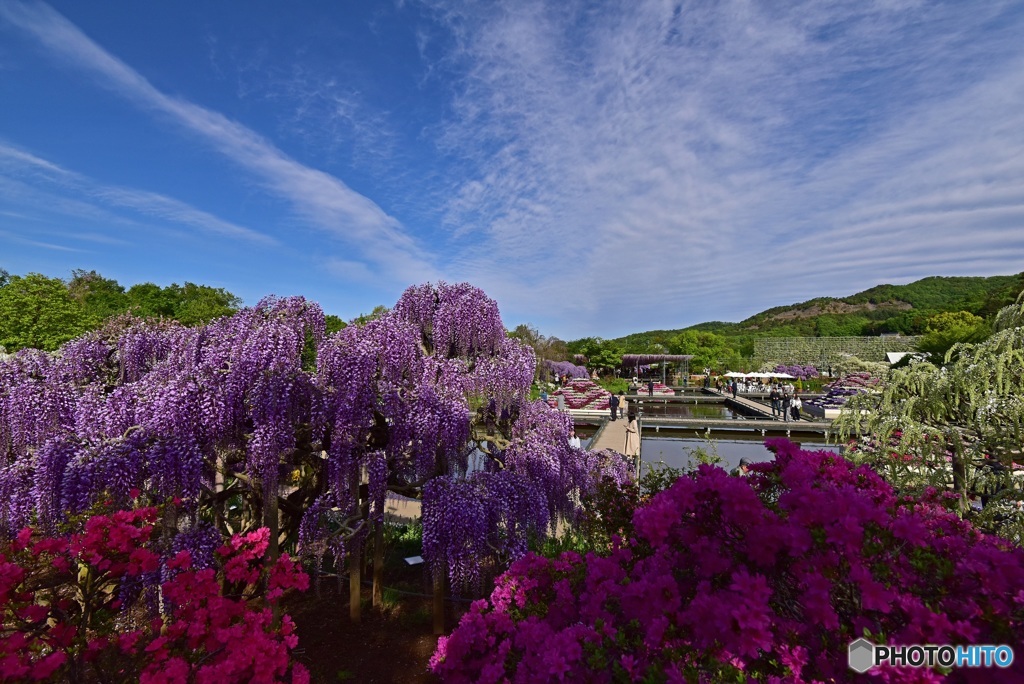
x=711 y=411
x=677 y=452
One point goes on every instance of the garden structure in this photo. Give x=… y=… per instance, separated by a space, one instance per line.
x=828 y=351
x=632 y=363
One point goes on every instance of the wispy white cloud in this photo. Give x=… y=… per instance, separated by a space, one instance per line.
x=17 y=163
x=38 y=243
x=729 y=156
x=318 y=197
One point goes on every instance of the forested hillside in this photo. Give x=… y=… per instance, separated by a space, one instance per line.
x=904 y=309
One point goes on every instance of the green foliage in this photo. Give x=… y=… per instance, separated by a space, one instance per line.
x=147 y=300
x=544 y=348
x=41 y=312
x=607 y=514
x=198 y=304
x=614 y=385
x=938 y=293
x=36 y=311
x=100 y=297
x=363 y=319
x=602 y=355
x=949 y=328
x=709 y=350
x=333 y=324
x=841 y=326
x=657 y=477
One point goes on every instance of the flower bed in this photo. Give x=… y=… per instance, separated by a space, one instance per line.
x=839 y=391
x=581 y=394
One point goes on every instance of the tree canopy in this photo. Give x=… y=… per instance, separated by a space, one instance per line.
x=43 y=313
x=39 y=312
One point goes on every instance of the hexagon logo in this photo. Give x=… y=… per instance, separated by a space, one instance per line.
x=861 y=655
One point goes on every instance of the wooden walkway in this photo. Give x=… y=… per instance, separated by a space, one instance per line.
x=612 y=435
x=755 y=407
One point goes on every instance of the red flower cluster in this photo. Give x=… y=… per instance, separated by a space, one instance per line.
x=765 y=578
x=61 y=618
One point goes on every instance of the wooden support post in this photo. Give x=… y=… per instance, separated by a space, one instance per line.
x=439 y=577
x=355 y=580
x=272 y=520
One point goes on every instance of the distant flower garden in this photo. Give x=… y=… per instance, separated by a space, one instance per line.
x=837 y=393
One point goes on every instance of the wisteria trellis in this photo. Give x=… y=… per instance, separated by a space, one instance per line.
x=262 y=408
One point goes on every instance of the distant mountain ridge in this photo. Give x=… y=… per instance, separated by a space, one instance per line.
x=903 y=309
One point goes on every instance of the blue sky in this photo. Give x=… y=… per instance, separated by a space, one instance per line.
x=597 y=168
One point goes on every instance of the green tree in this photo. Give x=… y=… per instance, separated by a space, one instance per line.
x=544 y=348
x=602 y=355
x=333 y=324
x=197 y=304
x=148 y=300
x=38 y=312
x=949 y=328
x=363 y=319
x=100 y=297
x=708 y=350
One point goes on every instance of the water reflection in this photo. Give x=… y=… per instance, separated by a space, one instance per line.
x=678 y=452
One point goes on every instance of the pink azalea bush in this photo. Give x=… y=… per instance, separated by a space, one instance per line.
x=63 y=615
x=764 y=578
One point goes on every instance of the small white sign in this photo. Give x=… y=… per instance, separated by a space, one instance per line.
x=414 y=560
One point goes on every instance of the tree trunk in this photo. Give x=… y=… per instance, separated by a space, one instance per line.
x=272 y=521
x=378 y=565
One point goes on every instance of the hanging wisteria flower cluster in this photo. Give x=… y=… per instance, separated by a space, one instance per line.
x=560 y=368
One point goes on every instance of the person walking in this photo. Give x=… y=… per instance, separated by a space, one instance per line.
x=623 y=404
x=786 y=402
x=797 y=405
x=632 y=447
x=650 y=388
x=776 y=400
x=613 y=404
x=735 y=387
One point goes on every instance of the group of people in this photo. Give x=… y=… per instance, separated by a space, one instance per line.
x=617 y=405
x=785 y=402
x=559 y=399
